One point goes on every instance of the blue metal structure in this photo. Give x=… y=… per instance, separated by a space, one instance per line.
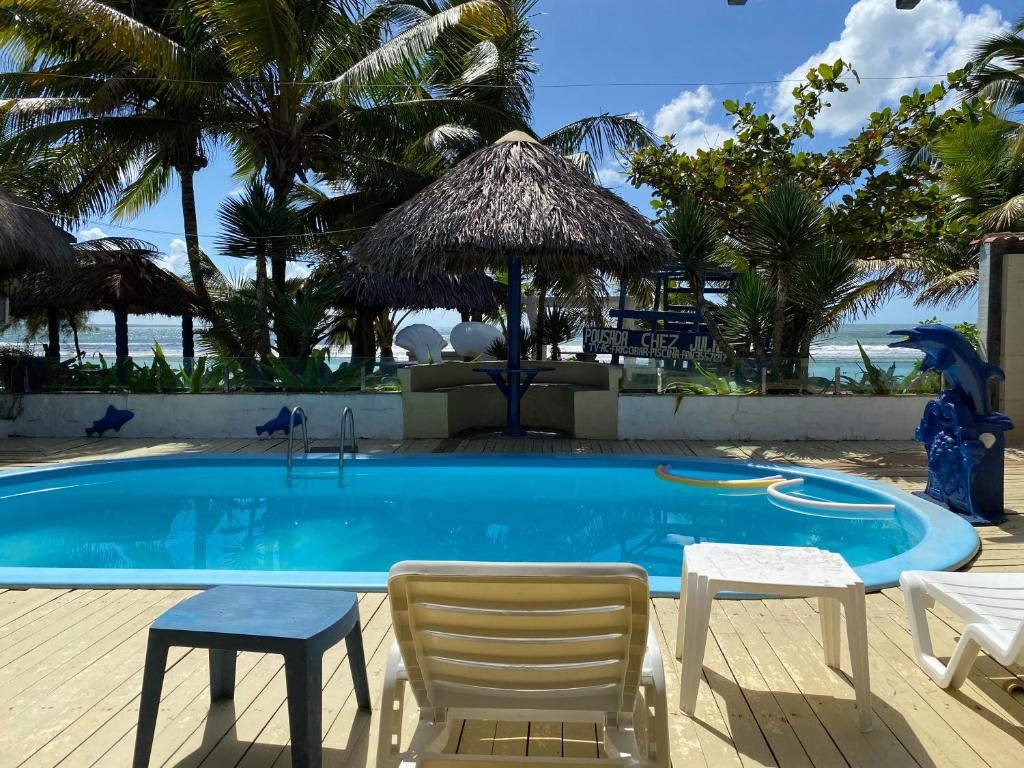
x=962 y=435
x=112 y=419
x=672 y=312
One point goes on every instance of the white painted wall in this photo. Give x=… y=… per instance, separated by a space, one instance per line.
x=205 y=415
x=767 y=417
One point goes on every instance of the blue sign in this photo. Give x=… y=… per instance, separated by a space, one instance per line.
x=668 y=345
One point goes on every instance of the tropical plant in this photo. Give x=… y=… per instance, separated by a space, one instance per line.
x=711 y=384
x=878 y=381
x=997 y=67
x=982 y=168
x=561 y=324
x=498 y=349
x=879 y=194
x=385 y=325
x=122 y=95
x=698 y=240
x=258 y=225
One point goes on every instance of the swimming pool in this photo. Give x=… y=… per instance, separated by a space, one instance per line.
x=210 y=519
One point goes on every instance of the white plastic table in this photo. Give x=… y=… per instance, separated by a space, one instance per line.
x=709 y=569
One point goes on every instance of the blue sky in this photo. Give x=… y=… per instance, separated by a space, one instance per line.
x=673 y=62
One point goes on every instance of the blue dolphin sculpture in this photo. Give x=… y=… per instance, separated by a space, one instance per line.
x=112 y=419
x=947 y=351
x=962 y=435
x=280 y=422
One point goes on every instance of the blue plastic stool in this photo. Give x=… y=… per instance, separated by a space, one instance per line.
x=300 y=624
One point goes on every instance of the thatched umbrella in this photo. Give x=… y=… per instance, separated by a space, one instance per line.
x=369 y=292
x=517 y=205
x=117 y=274
x=28 y=239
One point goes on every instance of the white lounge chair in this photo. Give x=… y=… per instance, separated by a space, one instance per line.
x=992 y=603
x=522 y=641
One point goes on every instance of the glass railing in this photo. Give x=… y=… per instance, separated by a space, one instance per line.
x=322 y=373
x=160 y=375
x=790 y=377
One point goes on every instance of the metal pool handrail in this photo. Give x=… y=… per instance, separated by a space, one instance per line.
x=348 y=419
x=291 y=435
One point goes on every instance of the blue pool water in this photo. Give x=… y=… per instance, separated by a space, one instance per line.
x=221 y=518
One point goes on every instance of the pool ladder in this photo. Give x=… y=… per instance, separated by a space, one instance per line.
x=346 y=428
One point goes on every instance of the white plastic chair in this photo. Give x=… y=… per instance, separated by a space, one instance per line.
x=993 y=605
x=522 y=641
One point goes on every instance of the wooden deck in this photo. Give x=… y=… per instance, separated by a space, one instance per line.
x=71 y=661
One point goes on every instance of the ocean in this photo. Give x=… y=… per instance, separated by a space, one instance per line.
x=839 y=349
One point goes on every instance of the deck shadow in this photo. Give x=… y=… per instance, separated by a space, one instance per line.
x=892 y=741
x=220 y=731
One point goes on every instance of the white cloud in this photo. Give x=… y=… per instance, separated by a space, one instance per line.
x=611 y=176
x=297 y=269
x=292 y=269
x=687 y=118
x=176 y=258
x=93 y=233
x=881 y=41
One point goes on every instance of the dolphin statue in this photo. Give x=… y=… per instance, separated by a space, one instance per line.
x=947 y=351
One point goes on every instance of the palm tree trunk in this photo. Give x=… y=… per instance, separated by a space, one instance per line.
x=364 y=345
x=705 y=312
x=121 y=343
x=53 y=334
x=538 y=343
x=282 y=186
x=262 y=326
x=191 y=222
x=74 y=335
x=779 y=318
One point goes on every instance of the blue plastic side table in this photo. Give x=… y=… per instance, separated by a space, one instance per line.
x=299 y=624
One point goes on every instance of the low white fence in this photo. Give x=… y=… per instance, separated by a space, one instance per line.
x=770 y=417
x=202 y=415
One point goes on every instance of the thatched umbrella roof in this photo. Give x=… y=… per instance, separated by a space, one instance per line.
x=514 y=197
x=28 y=238
x=110 y=273
x=363 y=287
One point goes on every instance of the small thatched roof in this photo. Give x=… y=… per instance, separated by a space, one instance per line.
x=28 y=239
x=515 y=197
x=109 y=273
x=363 y=287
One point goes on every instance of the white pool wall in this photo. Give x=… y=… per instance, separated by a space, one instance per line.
x=767 y=417
x=380 y=415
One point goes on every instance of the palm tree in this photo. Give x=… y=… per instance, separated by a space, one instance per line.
x=113 y=85
x=982 y=170
x=698 y=239
x=782 y=230
x=997 y=68
x=257 y=225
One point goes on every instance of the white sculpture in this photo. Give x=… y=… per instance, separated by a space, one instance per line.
x=423 y=343
x=472 y=339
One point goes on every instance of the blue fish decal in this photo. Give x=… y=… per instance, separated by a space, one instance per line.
x=112 y=419
x=280 y=422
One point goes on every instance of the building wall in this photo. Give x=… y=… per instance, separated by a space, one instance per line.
x=205 y=415
x=768 y=417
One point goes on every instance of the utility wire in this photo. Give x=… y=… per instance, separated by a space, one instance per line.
x=131 y=228
x=400 y=86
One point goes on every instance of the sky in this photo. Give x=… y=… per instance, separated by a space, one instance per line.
x=672 y=63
